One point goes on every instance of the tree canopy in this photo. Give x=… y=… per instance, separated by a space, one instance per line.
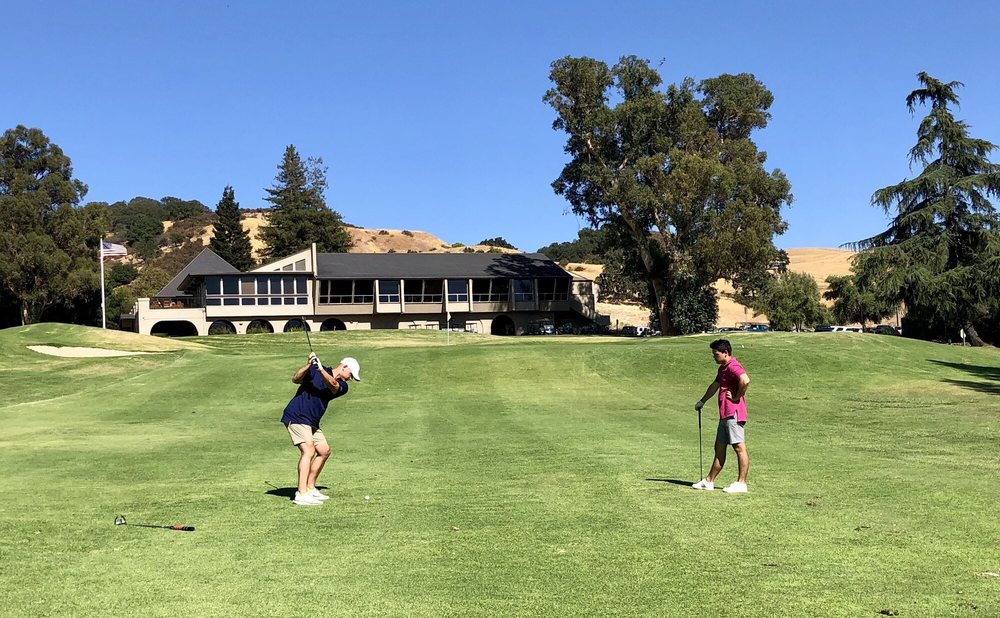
x=676 y=172
x=48 y=246
x=941 y=252
x=300 y=216
x=791 y=301
x=229 y=239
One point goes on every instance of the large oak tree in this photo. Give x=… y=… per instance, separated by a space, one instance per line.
x=674 y=170
x=48 y=246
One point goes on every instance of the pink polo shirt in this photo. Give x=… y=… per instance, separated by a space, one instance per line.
x=729 y=380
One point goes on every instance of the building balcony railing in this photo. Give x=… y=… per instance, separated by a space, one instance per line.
x=175 y=302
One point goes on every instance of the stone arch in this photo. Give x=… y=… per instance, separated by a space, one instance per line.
x=333 y=324
x=174 y=328
x=259 y=326
x=295 y=325
x=502 y=325
x=222 y=327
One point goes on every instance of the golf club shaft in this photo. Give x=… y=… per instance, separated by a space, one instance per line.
x=701 y=459
x=305 y=328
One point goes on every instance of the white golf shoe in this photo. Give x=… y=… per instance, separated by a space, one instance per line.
x=736 y=488
x=318 y=496
x=704 y=484
x=306 y=500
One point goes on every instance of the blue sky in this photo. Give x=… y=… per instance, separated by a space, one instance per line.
x=430 y=114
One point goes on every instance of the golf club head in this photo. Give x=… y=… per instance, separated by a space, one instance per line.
x=120 y=520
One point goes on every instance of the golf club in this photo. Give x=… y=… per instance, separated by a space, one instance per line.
x=120 y=521
x=701 y=460
x=305 y=328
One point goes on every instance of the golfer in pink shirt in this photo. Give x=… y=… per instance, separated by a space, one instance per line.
x=731 y=382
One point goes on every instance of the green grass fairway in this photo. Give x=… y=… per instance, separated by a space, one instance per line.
x=544 y=476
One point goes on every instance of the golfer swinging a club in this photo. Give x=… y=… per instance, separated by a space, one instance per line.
x=731 y=382
x=318 y=386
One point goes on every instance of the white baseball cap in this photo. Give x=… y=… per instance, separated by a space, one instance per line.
x=353 y=365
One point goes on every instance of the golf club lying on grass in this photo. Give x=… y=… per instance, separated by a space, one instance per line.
x=120 y=521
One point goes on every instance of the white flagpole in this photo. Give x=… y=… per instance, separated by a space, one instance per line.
x=100 y=248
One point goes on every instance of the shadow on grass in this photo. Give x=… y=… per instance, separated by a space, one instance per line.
x=284 y=492
x=673 y=482
x=984 y=373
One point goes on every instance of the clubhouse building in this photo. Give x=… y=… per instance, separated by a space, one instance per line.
x=497 y=293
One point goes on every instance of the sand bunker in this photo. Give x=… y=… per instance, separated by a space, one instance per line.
x=80 y=352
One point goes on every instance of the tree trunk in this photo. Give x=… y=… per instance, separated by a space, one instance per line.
x=24 y=314
x=663 y=308
x=974 y=339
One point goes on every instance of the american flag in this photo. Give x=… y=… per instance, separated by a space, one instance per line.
x=110 y=249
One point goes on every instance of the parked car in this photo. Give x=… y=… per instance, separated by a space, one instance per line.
x=757 y=328
x=823 y=328
x=884 y=329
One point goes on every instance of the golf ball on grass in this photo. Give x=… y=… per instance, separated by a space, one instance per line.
x=366 y=498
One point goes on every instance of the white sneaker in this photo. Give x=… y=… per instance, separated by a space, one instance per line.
x=318 y=496
x=704 y=484
x=305 y=500
x=736 y=488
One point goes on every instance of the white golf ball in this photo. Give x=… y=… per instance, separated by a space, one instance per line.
x=366 y=497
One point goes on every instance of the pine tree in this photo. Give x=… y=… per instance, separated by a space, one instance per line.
x=300 y=215
x=230 y=240
x=941 y=251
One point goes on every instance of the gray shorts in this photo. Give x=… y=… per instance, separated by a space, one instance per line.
x=730 y=432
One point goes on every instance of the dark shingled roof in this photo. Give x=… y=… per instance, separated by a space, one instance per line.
x=435 y=266
x=207 y=262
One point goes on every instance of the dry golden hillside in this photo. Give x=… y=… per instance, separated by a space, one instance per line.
x=820 y=263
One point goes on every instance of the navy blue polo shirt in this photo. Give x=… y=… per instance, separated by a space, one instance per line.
x=310 y=401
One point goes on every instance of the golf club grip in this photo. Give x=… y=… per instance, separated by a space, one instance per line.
x=183 y=528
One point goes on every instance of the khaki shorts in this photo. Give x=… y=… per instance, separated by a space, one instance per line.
x=730 y=432
x=305 y=433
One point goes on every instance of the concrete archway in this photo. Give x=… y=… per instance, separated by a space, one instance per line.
x=295 y=325
x=174 y=328
x=222 y=327
x=333 y=324
x=259 y=326
x=502 y=325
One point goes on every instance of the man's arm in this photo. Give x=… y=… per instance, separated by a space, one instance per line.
x=331 y=382
x=713 y=388
x=299 y=376
x=741 y=389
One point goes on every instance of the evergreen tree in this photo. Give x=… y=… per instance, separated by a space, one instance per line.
x=941 y=253
x=48 y=247
x=229 y=239
x=300 y=216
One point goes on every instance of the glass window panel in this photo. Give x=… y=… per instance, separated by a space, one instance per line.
x=301 y=300
x=213 y=301
x=213 y=285
x=247 y=301
x=230 y=285
x=300 y=265
x=248 y=287
x=289 y=300
x=230 y=301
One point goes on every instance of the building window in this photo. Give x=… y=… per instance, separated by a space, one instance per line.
x=458 y=291
x=346 y=292
x=248 y=290
x=423 y=291
x=524 y=290
x=490 y=290
x=553 y=289
x=388 y=291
